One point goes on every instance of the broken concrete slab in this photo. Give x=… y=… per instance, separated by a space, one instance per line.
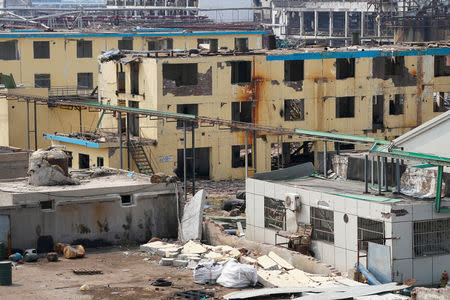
x=193 y=248
x=282 y=279
x=166 y=261
x=49 y=167
x=191 y=223
x=284 y=264
x=180 y=263
x=247 y=260
x=267 y=263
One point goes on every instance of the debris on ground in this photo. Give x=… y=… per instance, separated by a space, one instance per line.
x=52 y=256
x=84 y=287
x=191 y=223
x=74 y=251
x=195 y=294
x=237 y=275
x=161 y=282
x=86 y=272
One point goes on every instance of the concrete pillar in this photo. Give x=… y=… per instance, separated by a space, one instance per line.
x=378 y=18
x=331 y=24
x=346 y=28
x=302 y=20
x=362 y=24
x=316 y=21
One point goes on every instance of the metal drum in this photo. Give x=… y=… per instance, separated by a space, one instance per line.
x=2 y=251
x=5 y=273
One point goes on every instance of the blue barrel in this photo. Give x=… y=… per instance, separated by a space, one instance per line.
x=5 y=273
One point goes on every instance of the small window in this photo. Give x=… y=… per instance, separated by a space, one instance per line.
x=84 y=49
x=182 y=74
x=47 y=205
x=41 y=49
x=396 y=105
x=163 y=44
x=322 y=221
x=274 y=214
x=125 y=45
x=42 y=81
x=190 y=109
x=345 y=107
x=69 y=158
x=294 y=110
x=85 y=81
x=441 y=65
x=206 y=43
x=242 y=111
x=9 y=50
x=241 y=72
x=127 y=200
x=241 y=44
x=100 y=162
x=120 y=78
x=293 y=70
x=394 y=66
x=431 y=237
x=238 y=156
x=370 y=230
x=83 y=161
x=345 y=68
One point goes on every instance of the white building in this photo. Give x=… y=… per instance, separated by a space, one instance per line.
x=227 y=11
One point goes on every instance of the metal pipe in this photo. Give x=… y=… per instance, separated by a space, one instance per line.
x=397 y=175
x=379 y=174
x=366 y=174
x=184 y=161
x=193 y=158
x=119 y=125
x=392 y=173
x=386 y=185
x=338 y=148
x=81 y=124
x=382 y=173
x=128 y=141
x=278 y=151
x=325 y=158
x=35 y=127
x=372 y=168
x=254 y=149
x=28 y=124
x=246 y=154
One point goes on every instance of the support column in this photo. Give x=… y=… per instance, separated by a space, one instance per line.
x=316 y=22
x=81 y=124
x=330 y=26
x=366 y=174
x=386 y=185
x=362 y=24
x=397 y=175
x=193 y=159
x=128 y=141
x=35 y=127
x=378 y=20
x=346 y=27
x=119 y=125
x=184 y=162
x=325 y=159
x=372 y=169
x=302 y=21
x=254 y=150
x=246 y=154
x=379 y=175
x=28 y=125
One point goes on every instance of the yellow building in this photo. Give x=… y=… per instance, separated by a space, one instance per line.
x=370 y=92
x=65 y=64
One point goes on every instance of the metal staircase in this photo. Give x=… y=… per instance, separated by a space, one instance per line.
x=140 y=158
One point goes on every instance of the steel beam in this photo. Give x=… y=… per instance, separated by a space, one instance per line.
x=119 y=125
x=184 y=161
x=193 y=159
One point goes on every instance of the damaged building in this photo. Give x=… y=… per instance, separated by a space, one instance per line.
x=374 y=92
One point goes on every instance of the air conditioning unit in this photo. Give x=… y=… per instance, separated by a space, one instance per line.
x=292 y=201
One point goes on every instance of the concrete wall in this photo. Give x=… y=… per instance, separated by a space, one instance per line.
x=96 y=215
x=398 y=220
x=13 y=165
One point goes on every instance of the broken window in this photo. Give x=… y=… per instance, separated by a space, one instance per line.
x=440 y=101
x=345 y=68
x=163 y=44
x=100 y=162
x=238 y=156
x=41 y=49
x=293 y=70
x=190 y=109
x=241 y=72
x=377 y=112
x=396 y=105
x=83 y=161
x=431 y=237
x=241 y=44
x=274 y=214
x=441 y=65
x=125 y=44
x=182 y=74
x=322 y=221
x=345 y=107
x=370 y=230
x=42 y=81
x=343 y=146
x=120 y=78
x=9 y=50
x=126 y=200
x=134 y=119
x=206 y=43
x=47 y=205
x=294 y=110
x=241 y=111
x=134 y=78
x=84 y=81
x=394 y=66
x=84 y=49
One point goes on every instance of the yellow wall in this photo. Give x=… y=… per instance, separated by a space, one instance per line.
x=268 y=92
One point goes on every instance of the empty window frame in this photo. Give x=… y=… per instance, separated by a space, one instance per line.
x=47 y=205
x=206 y=43
x=84 y=81
x=294 y=70
x=41 y=49
x=126 y=44
x=162 y=44
x=238 y=156
x=182 y=74
x=370 y=230
x=191 y=109
x=431 y=237
x=242 y=111
x=84 y=49
x=294 y=110
x=345 y=107
x=120 y=78
x=83 y=161
x=274 y=214
x=9 y=50
x=322 y=221
x=441 y=65
x=241 y=44
x=126 y=200
x=345 y=68
x=394 y=66
x=396 y=105
x=42 y=81
x=241 y=72
x=134 y=78
x=100 y=161
x=441 y=101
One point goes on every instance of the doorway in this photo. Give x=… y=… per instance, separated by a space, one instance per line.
x=202 y=166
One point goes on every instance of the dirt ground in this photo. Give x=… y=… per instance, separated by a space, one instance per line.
x=126 y=275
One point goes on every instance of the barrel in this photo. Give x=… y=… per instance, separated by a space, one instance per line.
x=213 y=45
x=5 y=273
x=2 y=251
